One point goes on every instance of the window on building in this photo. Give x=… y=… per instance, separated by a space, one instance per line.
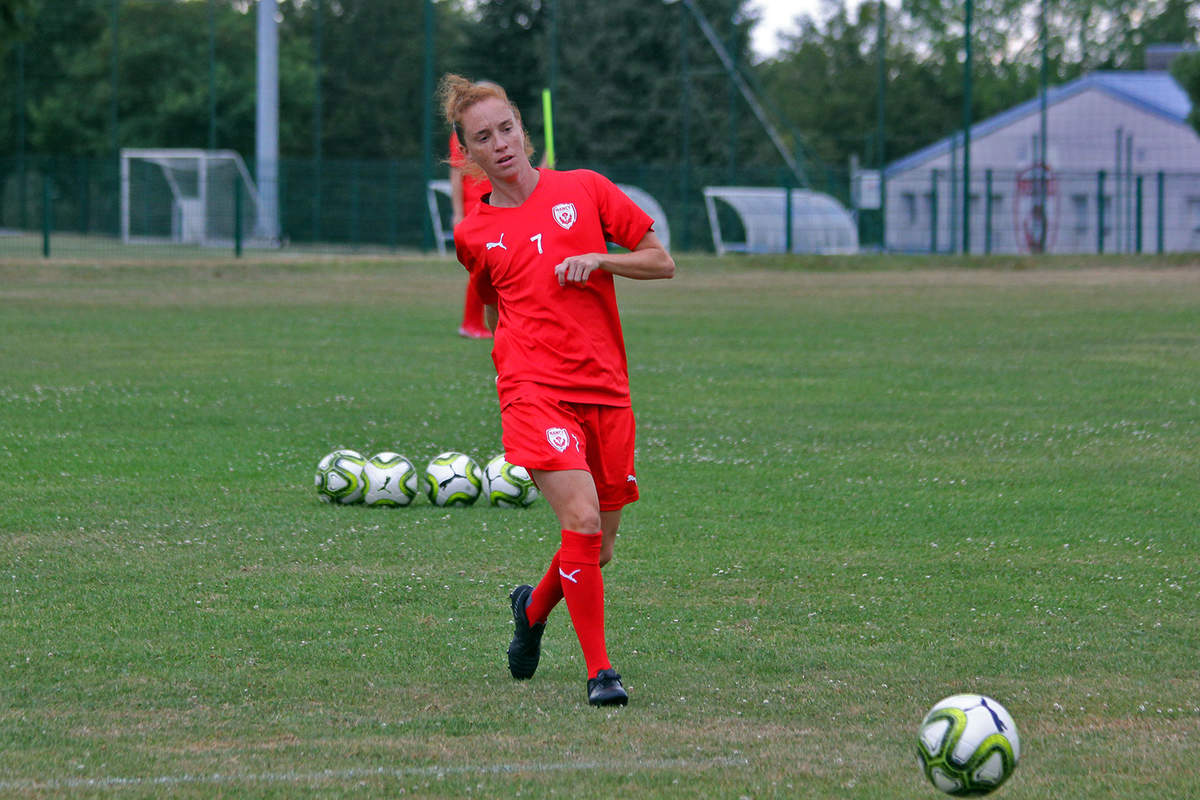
x=908 y=202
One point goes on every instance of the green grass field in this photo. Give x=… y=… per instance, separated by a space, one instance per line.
x=867 y=484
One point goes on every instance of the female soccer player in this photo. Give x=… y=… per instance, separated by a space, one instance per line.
x=536 y=249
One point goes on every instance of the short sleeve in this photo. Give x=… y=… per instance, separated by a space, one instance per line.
x=624 y=222
x=481 y=282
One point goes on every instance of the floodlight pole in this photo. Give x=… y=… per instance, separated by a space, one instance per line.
x=115 y=80
x=1040 y=174
x=966 y=198
x=212 y=76
x=266 y=144
x=427 y=120
x=685 y=115
x=318 y=113
x=880 y=122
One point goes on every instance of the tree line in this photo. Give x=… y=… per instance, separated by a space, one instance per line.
x=85 y=77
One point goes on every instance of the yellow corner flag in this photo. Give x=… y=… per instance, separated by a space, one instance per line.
x=548 y=119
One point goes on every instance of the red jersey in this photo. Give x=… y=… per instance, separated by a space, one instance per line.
x=473 y=189
x=565 y=339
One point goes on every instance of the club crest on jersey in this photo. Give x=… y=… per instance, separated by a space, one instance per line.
x=564 y=215
x=558 y=438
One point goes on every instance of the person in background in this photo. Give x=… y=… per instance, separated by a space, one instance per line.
x=465 y=191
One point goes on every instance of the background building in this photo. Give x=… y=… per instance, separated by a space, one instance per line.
x=1123 y=175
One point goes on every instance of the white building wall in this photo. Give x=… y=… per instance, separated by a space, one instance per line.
x=1083 y=131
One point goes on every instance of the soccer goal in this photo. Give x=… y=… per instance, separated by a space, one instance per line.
x=182 y=196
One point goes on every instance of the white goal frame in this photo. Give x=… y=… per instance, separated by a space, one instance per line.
x=190 y=211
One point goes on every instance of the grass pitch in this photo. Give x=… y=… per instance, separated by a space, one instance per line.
x=864 y=488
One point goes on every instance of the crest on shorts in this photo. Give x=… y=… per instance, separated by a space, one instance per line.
x=558 y=438
x=564 y=214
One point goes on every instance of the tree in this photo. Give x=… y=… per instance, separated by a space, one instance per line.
x=1186 y=69
x=163 y=78
x=620 y=97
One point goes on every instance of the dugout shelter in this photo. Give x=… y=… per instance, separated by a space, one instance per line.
x=819 y=223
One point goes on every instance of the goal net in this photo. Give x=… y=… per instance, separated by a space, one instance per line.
x=200 y=197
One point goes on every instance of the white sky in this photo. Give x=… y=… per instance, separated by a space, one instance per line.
x=780 y=16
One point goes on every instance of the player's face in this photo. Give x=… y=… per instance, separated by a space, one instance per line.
x=495 y=140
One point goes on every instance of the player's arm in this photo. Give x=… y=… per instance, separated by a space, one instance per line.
x=491 y=317
x=647 y=261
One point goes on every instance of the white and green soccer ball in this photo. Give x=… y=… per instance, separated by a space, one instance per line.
x=391 y=480
x=507 y=485
x=340 y=478
x=968 y=745
x=453 y=479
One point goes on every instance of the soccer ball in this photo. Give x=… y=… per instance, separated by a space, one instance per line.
x=968 y=745
x=339 y=477
x=453 y=479
x=508 y=485
x=391 y=480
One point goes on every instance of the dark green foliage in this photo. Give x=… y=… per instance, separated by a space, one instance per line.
x=352 y=74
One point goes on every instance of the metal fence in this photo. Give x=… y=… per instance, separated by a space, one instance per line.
x=55 y=204
x=1067 y=212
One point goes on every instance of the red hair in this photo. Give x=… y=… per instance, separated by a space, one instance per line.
x=457 y=94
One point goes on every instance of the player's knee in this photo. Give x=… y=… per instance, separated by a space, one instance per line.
x=581 y=517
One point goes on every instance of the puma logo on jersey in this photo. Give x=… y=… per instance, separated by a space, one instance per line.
x=499 y=244
x=570 y=577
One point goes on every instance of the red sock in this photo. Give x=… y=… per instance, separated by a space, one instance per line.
x=472 y=318
x=545 y=595
x=583 y=589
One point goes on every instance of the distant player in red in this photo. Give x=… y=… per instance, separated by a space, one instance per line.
x=536 y=248
x=465 y=192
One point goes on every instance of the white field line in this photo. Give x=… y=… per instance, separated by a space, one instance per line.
x=361 y=773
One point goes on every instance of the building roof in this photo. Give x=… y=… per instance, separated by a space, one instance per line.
x=1155 y=92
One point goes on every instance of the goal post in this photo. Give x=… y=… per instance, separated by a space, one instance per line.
x=188 y=196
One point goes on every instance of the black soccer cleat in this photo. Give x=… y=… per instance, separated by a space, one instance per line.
x=525 y=649
x=606 y=690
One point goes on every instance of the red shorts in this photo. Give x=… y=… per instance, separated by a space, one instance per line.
x=543 y=433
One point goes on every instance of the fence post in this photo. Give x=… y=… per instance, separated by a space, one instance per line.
x=987 y=212
x=788 y=244
x=1138 y=217
x=47 y=216
x=354 y=203
x=393 y=193
x=1100 y=211
x=1158 y=213
x=237 y=219
x=933 y=213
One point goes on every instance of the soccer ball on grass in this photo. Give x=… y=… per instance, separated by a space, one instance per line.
x=508 y=485
x=968 y=745
x=339 y=477
x=453 y=479
x=391 y=480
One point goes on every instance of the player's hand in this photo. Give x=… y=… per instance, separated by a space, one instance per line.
x=577 y=269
